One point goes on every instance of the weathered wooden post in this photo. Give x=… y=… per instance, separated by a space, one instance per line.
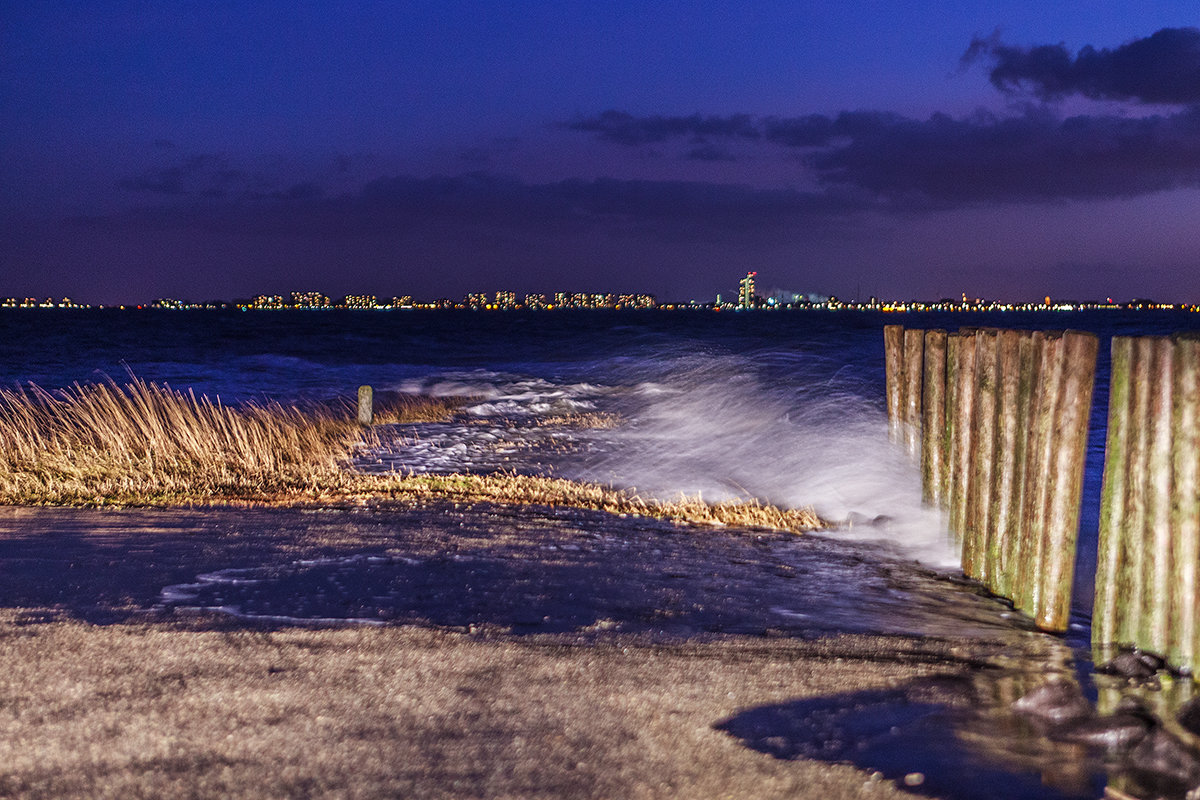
x=366 y=411
x=1074 y=405
x=1009 y=444
x=914 y=351
x=950 y=454
x=1184 y=650
x=933 y=424
x=1111 y=569
x=983 y=455
x=1157 y=568
x=893 y=355
x=960 y=479
x=1038 y=466
x=1133 y=522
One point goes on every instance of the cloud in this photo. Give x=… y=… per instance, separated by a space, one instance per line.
x=943 y=161
x=1161 y=68
x=1033 y=156
x=205 y=175
x=481 y=201
x=623 y=128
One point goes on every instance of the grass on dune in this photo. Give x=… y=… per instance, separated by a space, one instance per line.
x=145 y=444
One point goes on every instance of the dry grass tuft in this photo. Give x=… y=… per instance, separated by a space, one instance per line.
x=105 y=442
x=145 y=444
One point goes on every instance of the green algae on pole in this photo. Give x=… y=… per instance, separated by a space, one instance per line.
x=1074 y=405
x=933 y=426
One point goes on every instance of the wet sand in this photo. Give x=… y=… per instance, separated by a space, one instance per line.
x=596 y=657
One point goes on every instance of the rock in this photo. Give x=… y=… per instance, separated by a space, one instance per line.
x=1166 y=762
x=1054 y=704
x=1189 y=716
x=1133 y=664
x=1116 y=733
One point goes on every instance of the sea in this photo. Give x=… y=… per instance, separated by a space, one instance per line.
x=783 y=407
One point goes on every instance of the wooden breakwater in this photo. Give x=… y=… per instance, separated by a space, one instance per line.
x=1147 y=582
x=998 y=420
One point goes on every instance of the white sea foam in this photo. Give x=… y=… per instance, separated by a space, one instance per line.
x=722 y=427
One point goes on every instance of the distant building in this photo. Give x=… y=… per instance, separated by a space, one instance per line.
x=310 y=300
x=506 y=300
x=746 y=291
x=360 y=301
x=266 y=301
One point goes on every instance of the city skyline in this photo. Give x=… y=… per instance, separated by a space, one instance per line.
x=1000 y=148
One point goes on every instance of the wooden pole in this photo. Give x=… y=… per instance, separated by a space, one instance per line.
x=1157 y=567
x=1108 y=601
x=1077 y=373
x=983 y=453
x=893 y=338
x=1184 y=650
x=950 y=477
x=933 y=425
x=1037 y=467
x=1131 y=563
x=366 y=414
x=914 y=349
x=1007 y=454
x=961 y=481
x=1029 y=358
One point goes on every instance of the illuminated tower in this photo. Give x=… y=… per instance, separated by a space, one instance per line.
x=746 y=292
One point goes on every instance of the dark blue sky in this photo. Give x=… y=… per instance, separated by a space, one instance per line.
x=212 y=149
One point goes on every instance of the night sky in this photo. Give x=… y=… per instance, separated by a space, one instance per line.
x=906 y=150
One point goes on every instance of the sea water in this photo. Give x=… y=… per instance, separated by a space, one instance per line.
x=782 y=407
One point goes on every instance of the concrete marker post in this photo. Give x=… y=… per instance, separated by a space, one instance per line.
x=366 y=412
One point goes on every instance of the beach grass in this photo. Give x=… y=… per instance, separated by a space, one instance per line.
x=141 y=443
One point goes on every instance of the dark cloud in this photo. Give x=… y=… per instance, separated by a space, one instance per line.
x=1161 y=68
x=480 y=200
x=1035 y=156
x=710 y=152
x=624 y=128
x=203 y=175
x=983 y=158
